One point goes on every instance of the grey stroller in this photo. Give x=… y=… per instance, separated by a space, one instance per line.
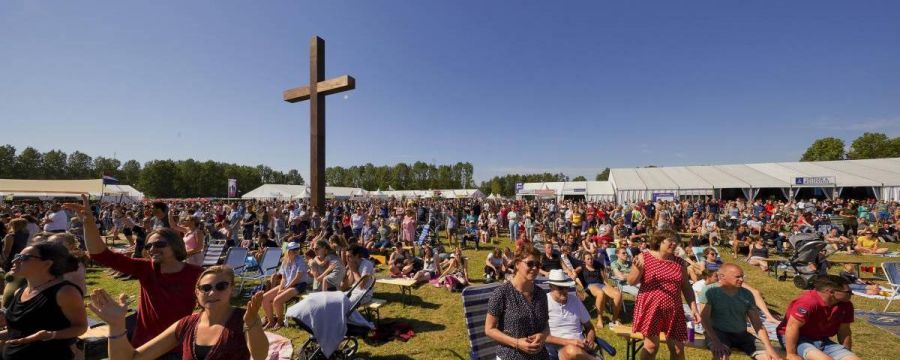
x=304 y=315
x=808 y=260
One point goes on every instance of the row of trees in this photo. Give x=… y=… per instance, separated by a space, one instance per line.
x=402 y=176
x=866 y=146
x=157 y=178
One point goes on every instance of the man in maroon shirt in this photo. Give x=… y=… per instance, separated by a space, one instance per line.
x=167 y=283
x=814 y=317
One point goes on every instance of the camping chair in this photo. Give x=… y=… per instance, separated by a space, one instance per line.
x=892 y=274
x=475 y=306
x=267 y=266
x=214 y=250
x=234 y=259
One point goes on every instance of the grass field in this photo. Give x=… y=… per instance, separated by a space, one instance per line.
x=436 y=315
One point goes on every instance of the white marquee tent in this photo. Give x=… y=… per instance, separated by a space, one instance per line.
x=590 y=190
x=832 y=178
x=289 y=192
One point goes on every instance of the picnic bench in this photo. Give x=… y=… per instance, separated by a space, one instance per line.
x=635 y=341
x=404 y=284
x=774 y=262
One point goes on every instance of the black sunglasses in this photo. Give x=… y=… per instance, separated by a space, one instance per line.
x=533 y=264
x=159 y=244
x=219 y=286
x=848 y=292
x=25 y=257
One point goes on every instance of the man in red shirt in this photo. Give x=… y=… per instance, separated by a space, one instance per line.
x=167 y=283
x=814 y=317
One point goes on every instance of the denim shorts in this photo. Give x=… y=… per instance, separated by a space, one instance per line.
x=834 y=350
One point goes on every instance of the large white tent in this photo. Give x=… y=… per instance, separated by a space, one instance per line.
x=47 y=189
x=442 y=193
x=589 y=190
x=289 y=192
x=830 y=178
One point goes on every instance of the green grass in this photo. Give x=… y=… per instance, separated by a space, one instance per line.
x=436 y=315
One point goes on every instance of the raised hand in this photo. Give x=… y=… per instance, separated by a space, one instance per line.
x=79 y=209
x=252 y=313
x=110 y=311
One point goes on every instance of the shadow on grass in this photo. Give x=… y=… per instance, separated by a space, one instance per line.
x=444 y=354
x=411 y=300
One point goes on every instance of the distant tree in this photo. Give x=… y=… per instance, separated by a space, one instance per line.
x=825 y=149
x=603 y=175
x=873 y=146
x=54 y=165
x=80 y=166
x=130 y=173
x=294 y=178
x=7 y=162
x=158 y=178
x=579 y=178
x=107 y=166
x=29 y=164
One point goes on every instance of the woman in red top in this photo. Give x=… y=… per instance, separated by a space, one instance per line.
x=658 y=308
x=218 y=331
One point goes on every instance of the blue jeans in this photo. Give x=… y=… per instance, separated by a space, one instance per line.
x=834 y=350
x=513 y=231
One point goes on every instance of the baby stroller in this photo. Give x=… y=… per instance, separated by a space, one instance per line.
x=808 y=260
x=330 y=338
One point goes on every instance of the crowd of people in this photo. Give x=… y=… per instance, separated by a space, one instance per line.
x=602 y=249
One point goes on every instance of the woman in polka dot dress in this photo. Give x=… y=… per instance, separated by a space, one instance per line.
x=662 y=276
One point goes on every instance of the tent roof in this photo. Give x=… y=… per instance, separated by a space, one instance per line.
x=94 y=186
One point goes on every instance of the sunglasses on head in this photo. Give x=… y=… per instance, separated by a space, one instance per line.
x=219 y=286
x=25 y=257
x=159 y=244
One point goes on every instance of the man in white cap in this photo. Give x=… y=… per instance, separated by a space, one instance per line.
x=569 y=321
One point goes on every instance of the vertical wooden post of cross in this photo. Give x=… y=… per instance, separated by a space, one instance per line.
x=315 y=92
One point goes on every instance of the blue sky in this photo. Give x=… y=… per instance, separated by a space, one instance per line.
x=511 y=86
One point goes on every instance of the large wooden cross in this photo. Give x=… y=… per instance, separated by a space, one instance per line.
x=315 y=92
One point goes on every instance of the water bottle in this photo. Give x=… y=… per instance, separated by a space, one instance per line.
x=690 y=331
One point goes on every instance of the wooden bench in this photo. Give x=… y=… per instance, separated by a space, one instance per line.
x=635 y=341
x=404 y=284
x=773 y=263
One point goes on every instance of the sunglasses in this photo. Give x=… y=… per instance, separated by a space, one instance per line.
x=219 y=286
x=533 y=264
x=848 y=292
x=25 y=257
x=160 y=244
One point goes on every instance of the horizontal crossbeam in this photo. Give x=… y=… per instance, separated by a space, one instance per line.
x=327 y=87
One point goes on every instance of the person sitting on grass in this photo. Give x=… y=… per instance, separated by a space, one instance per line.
x=853 y=280
x=592 y=276
x=758 y=254
x=867 y=244
x=620 y=268
x=455 y=276
x=494 y=267
x=837 y=242
x=814 y=317
x=740 y=240
x=218 y=331
x=727 y=309
x=571 y=333
x=326 y=268
x=295 y=280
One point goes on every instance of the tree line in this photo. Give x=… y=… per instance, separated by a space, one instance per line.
x=156 y=178
x=866 y=146
x=403 y=176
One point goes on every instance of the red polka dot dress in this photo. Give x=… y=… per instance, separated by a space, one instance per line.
x=658 y=308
